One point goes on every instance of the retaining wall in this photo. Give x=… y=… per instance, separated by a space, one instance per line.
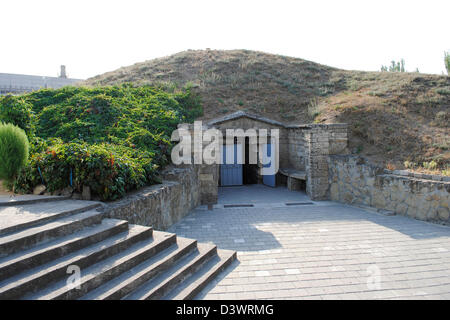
x=162 y=205
x=423 y=197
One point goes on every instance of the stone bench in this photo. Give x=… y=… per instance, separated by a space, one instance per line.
x=295 y=178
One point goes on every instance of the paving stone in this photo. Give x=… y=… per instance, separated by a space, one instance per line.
x=334 y=247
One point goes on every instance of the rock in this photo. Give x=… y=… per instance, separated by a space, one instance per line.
x=86 y=195
x=378 y=200
x=401 y=208
x=412 y=212
x=348 y=197
x=432 y=215
x=421 y=215
x=386 y=212
x=76 y=196
x=443 y=213
x=39 y=189
x=334 y=191
x=67 y=191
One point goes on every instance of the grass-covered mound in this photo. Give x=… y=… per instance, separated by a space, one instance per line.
x=395 y=119
x=113 y=139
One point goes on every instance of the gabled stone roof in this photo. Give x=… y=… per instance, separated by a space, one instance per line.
x=242 y=114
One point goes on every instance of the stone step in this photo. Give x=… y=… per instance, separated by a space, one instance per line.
x=35 y=279
x=198 y=281
x=105 y=270
x=20 y=217
x=7 y=201
x=17 y=241
x=23 y=260
x=158 y=287
x=133 y=278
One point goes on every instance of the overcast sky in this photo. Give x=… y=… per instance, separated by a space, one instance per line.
x=93 y=37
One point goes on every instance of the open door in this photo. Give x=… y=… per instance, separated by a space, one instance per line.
x=231 y=172
x=268 y=171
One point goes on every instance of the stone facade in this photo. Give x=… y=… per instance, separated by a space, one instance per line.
x=317 y=163
x=162 y=205
x=354 y=181
x=246 y=123
x=301 y=147
x=322 y=140
x=297 y=148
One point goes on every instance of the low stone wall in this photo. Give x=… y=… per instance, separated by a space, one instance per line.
x=354 y=181
x=162 y=205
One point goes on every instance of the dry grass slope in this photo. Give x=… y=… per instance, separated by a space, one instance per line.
x=395 y=119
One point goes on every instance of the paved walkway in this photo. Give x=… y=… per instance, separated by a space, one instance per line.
x=323 y=250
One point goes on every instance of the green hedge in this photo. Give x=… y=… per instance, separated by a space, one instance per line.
x=113 y=139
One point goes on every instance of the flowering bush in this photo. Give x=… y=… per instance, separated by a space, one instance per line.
x=113 y=139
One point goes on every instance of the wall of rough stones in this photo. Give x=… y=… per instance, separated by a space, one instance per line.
x=162 y=205
x=423 y=197
x=296 y=148
x=321 y=141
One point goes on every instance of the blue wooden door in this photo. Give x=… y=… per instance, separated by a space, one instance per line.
x=231 y=170
x=268 y=157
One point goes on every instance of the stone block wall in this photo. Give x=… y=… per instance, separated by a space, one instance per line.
x=321 y=141
x=338 y=138
x=354 y=181
x=209 y=182
x=296 y=149
x=162 y=205
x=317 y=148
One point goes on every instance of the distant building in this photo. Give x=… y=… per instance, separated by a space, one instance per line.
x=19 y=83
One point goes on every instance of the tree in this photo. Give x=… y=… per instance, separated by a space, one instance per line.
x=447 y=62
x=395 y=66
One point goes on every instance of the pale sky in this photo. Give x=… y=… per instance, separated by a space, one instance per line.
x=92 y=37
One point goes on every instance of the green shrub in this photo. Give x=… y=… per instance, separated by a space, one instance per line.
x=13 y=151
x=447 y=62
x=17 y=110
x=109 y=170
x=431 y=165
x=442 y=118
x=398 y=66
x=113 y=139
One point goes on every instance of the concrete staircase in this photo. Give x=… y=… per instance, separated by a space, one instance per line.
x=40 y=243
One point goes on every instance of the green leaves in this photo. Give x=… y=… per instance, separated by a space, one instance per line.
x=113 y=139
x=447 y=62
x=17 y=110
x=13 y=150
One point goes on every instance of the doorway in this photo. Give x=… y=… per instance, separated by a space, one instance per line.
x=250 y=171
x=231 y=170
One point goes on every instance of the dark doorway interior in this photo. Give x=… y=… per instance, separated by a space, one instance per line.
x=250 y=171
